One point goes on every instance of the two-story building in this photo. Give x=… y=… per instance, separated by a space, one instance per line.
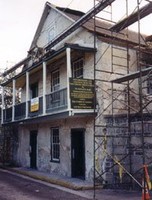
x=64 y=86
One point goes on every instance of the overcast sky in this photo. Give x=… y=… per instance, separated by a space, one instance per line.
x=19 y=20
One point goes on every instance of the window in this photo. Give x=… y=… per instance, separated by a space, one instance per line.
x=34 y=90
x=55 y=145
x=55 y=86
x=77 y=68
x=55 y=80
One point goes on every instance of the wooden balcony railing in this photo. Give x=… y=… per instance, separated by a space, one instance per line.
x=20 y=111
x=55 y=101
x=7 y=114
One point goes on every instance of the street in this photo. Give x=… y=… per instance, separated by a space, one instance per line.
x=14 y=187
x=18 y=187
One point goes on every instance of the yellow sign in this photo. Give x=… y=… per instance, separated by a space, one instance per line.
x=34 y=104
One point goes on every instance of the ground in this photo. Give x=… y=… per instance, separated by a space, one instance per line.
x=18 y=187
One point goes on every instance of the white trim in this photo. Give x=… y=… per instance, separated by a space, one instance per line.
x=69 y=74
x=2 y=116
x=44 y=88
x=13 y=105
x=27 y=92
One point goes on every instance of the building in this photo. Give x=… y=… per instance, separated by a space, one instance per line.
x=76 y=93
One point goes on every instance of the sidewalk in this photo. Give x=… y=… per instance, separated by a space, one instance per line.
x=68 y=182
x=79 y=187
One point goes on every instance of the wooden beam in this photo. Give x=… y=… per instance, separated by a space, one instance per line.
x=143 y=12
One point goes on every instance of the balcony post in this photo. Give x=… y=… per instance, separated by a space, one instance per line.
x=13 y=105
x=2 y=114
x=27 y=93
x=44 y=88
x=69 y=74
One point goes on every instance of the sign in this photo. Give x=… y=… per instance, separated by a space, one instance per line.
x=34 y=104
x=82 y=93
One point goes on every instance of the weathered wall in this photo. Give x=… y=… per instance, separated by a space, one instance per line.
x=43 y=145
x=55 y=19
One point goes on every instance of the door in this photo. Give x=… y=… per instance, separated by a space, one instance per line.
x=34 y=90
x=33 y=149
x=77 y=153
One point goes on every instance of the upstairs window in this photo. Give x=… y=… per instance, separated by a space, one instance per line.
x=55 y=85
x=77 y=68
x=55 y=145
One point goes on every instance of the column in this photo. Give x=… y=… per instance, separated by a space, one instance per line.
x=44 y=88
x=2 y=114
x=13 y=103
x=27 y=93
x=69 y=74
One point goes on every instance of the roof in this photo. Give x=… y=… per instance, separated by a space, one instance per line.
x=48 y=6
x=102 y=26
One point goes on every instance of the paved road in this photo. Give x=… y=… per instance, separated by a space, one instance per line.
x=19 y=187
x=14 y=187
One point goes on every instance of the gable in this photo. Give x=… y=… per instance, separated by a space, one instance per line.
x=52 y=23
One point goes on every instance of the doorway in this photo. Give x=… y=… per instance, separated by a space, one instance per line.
x=77 y=153
x=33 y=149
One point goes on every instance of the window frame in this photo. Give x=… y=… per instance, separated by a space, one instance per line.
x=55 y=87
x=55 y=145
x=77 y=69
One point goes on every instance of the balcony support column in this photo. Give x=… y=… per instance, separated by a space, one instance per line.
x=69 y=74
x=2 y=112
x=14 y=94
x=27 y=93
x=44 y=88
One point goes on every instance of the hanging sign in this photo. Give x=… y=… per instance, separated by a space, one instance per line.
x=81 y=93
x=34 y=104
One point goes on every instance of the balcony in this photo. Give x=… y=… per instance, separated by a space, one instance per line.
x=55 y=101
x=29 y=76
x=77 y=99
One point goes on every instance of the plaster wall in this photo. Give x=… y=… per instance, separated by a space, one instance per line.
x=43 y=146
x=56 y=20
x=23 y=158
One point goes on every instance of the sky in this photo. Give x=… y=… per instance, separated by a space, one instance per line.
x=19 y=20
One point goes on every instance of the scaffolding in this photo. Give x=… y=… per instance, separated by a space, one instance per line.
x=122 y=128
